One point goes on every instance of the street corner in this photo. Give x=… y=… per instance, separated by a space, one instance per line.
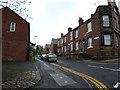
x=22 y=79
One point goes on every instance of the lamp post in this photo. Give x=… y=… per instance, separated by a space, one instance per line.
x=35 y=46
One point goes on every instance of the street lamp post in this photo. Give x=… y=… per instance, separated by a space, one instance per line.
x=35 y=46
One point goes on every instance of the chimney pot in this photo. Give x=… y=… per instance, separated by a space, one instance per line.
x=69 y=29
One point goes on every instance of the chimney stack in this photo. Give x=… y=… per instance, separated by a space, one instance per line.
x=69 y=29
x=92 y=15
x=80 y=20
x=61 y=34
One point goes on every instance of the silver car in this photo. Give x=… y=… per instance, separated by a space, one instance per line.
x=51 y=57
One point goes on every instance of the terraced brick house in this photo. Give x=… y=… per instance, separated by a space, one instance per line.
x=97 y=36
x=47 y=49
x=15 y=36
x=53 y=46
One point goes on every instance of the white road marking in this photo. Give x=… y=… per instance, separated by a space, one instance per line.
x=116 y=85
x=87 y=82
x=66 y=81
x=62 y=79
x=105 y=68
x=36 y=67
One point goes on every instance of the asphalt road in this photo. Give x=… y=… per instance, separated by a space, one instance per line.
x=77 y=74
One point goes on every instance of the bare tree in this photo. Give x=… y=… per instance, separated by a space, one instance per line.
x=19 y=6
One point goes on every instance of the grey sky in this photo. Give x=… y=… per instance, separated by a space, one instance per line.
x=53 y=17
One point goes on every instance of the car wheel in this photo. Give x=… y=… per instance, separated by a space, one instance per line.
x=55 y=60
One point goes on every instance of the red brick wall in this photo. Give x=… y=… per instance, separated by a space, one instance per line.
x=15 y=44
x=53 y=48
x=97 y=34
x=0 y=35
x=47 y=50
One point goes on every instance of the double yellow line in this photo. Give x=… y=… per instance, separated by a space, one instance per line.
x=98 y=84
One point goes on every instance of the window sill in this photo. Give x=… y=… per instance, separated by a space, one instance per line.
x=12 y=31
x=89 y=47
x=89 y=31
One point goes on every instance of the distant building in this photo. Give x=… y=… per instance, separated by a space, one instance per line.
x=15 y=36
x=53 y=46
x=47 y=49
x=97 y=36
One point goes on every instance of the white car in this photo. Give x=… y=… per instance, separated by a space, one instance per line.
x=51 y=57
x=43 y=56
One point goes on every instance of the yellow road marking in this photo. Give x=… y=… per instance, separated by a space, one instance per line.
x=97 y=62
x=99 y=85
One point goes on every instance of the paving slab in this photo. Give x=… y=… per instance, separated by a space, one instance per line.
x=19 y=75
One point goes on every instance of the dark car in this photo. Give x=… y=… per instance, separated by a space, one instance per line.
x=51 y=57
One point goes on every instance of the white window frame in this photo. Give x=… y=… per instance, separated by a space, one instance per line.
x=58 y=50
x=58 y=43
x=65 y=48
x=62 y=49
x=76 y=44
x=71 y=46
x=106 y=21
x=62 y=41
x=71 y=35
x=65 y=39
x=76 y=33
x=12 y=26
x=90 y=42
x=89 y=25
x=107 y=39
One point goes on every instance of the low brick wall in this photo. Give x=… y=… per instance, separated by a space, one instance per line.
x=74 y=56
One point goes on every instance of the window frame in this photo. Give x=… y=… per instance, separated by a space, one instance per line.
x=89 y=27
x=71 y=46
x=71 y=35
x=61 y=40
x=12 y=26
x=90 y=42
x=65 y=48
x=107 y=41
x=76 y=45
x=104 y=21
x=76 y=33
x=65 y=39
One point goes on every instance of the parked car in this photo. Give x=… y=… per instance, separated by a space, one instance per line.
x=51 y=57
x=43 y=56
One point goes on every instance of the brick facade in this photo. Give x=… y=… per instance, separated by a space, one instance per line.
x=53 y=46
x=96 y=36
x=15 y=45
x=47 y=49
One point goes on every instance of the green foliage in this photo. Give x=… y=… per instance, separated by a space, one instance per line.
x=31 y=57
x=39 y=50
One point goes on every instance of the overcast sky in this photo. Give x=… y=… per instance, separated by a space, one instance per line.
x=50 y=18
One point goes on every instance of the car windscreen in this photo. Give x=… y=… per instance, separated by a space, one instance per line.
x=44 y=55
x=52 y=55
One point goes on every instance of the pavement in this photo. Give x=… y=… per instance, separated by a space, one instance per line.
x=20 y=75
x=116 y=60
